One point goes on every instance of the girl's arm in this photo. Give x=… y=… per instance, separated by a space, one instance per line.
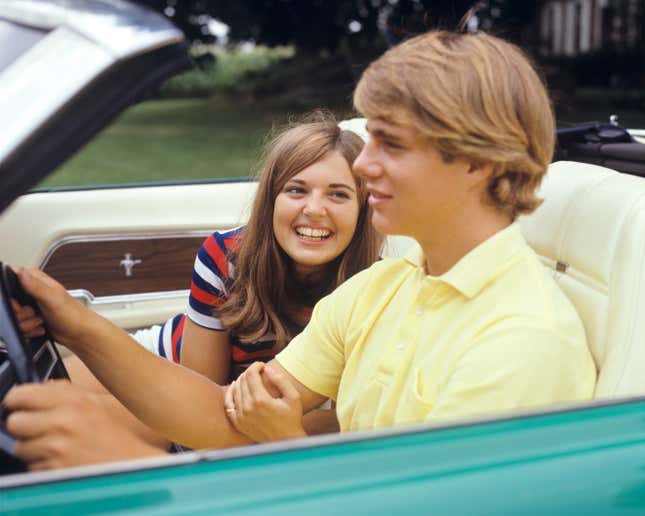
x=320 y=421
x=206 y=351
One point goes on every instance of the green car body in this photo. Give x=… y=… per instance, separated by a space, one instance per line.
x=582 y=461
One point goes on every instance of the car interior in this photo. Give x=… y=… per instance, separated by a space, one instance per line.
x=589 y=233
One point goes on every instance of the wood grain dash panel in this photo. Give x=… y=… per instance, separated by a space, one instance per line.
x=166 y=264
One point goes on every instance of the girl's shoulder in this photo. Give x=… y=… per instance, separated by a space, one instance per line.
x=218 y=252
x=227 y=240
x=226 y=236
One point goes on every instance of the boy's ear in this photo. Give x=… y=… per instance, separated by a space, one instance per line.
x=484 y=169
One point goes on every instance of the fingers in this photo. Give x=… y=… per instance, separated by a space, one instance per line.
x=229 y=406
x=22 y=312
x=258 y=390
x=38 y=284
x=247 y=398
x=38 y=424
x=36 y=280
x=282 y=383
x=42 y=465
x=29 y=424
x=236 y=394
x=229 y=403
x=30 y=323
x=34 y=396
x=32 y=327
x=36 y=450
x=48 y=451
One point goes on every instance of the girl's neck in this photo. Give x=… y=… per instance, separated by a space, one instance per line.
x=313 y=283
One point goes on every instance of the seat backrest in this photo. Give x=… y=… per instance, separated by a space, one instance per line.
x=590 y=232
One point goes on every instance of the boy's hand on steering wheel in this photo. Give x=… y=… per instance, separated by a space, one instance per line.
x=57 y=424
x=66 y=318
x=31 y=324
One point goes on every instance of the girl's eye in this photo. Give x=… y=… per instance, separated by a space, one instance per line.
x=340 y=195
x=294 y=190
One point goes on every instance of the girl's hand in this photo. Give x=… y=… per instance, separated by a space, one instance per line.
x=253 y=411
x=31 y=325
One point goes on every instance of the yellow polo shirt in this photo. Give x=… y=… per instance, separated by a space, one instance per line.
x=393 y=345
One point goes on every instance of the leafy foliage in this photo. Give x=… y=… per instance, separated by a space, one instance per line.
x=314 y=25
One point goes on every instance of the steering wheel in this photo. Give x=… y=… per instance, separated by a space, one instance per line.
x=22 y=359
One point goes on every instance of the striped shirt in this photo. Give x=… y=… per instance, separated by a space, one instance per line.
x=212 y=279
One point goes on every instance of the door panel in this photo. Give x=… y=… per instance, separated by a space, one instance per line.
x=127 y=264
x=83 y=239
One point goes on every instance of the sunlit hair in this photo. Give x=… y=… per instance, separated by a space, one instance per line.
x=266 y=297
x=474 y=96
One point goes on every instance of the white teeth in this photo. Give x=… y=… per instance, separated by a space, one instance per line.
x=313 y=233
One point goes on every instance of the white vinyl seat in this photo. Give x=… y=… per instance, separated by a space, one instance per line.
x=590 y=232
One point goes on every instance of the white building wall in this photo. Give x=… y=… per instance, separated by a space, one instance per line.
x=569 y=28
x=546 y=29
x=585 y=25
x=558 y=28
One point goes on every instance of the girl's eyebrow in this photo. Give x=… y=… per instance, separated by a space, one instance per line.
x=341 y=185
x=331 y=185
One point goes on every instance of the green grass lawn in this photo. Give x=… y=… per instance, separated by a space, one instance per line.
x=192 y=139
x=172 y=140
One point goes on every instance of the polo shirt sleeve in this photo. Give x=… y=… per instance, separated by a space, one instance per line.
x=516 y=368
x=208 y=283
x=316 y=357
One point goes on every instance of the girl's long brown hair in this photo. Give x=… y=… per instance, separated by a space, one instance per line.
x=266 y=297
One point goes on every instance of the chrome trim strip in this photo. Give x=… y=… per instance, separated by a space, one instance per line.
x=111 y=237
x=5 y=365
x=87 y=298
x=46 y=348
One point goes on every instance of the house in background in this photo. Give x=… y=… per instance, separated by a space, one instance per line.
x=570 y=28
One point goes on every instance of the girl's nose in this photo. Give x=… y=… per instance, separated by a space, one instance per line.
x=314 y=206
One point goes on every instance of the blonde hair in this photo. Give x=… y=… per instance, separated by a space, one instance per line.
x=474 y=96
x=264 y=297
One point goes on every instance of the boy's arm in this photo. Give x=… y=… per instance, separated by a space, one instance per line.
x=180 y=404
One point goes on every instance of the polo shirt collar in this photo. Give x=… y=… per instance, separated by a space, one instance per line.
x=481 y=265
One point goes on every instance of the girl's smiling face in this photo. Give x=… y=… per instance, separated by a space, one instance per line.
x=316 y=212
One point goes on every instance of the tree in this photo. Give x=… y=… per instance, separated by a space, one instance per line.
x=313 y=25
x=511 y=20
